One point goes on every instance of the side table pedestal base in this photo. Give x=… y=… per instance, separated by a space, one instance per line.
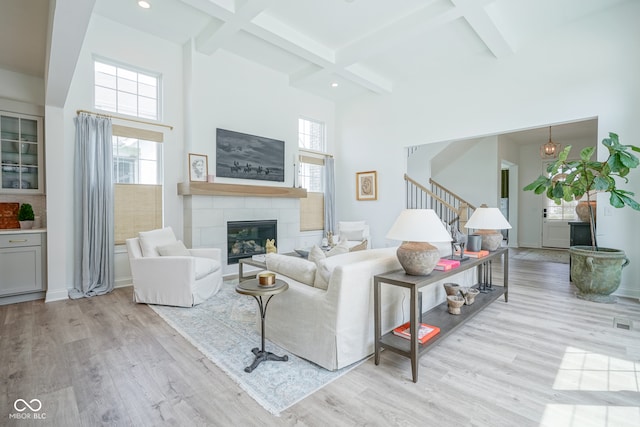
x=262 y=356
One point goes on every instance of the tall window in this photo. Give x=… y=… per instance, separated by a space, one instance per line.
x=125 y=90
x=137 y=152
x=312 y=148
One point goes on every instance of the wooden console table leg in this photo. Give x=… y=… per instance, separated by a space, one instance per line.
x=377 y=312
x=415 y=325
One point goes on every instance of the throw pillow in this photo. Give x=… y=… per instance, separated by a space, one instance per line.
x=174 y=249
x=360 y=246
x=298 y=269
x=150 y=240
x=340 y=248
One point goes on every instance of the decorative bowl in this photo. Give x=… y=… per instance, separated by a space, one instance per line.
x=455 y=302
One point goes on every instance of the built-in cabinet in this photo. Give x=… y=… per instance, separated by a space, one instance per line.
x=22 y=266
x=21 y=154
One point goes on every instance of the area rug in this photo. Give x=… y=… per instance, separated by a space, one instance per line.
x=224 y=329
x=544 y=255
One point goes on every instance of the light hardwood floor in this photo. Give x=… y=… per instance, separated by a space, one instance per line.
x=544 y=358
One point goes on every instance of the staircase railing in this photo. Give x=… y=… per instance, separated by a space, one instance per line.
x=450 y=207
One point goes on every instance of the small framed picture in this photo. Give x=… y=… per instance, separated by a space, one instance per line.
x=198 y=167
x=367 y=185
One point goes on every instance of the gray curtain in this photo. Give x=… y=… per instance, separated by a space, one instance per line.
x=93 y=208
x=329 y=195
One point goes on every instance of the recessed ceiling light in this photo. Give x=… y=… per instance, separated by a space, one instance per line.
x=144 y=4
x=334 y=84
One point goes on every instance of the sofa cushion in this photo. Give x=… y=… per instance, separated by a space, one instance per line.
x=150 y=240
x=205 y=266
x=176 y=248
x=319 y=257
x=299 y=269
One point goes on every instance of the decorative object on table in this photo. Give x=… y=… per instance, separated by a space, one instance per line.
x=324 y=243
x=455 y=302
x=330 y=241
x=240 y=155
x=474 y=243
x=451 y=288
x=9 y=215
x=198 y=167
x=425 y=332
x=487 y=221
x=446 y=264
x=469 y=295
x=595 y=271
x=584 y=210
x=458 y=244
x=367 y=185
x=416 y=228
x=266 y=278
x=270 y=246
x=26 y=216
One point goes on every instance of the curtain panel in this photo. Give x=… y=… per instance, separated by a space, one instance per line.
x=93 y=204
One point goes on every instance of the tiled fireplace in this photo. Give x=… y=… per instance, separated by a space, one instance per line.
x=206 y=218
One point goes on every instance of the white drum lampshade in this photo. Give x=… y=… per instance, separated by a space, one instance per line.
x=416 y=228
x=487 y=221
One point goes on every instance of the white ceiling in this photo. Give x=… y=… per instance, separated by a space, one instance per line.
x=364 y=45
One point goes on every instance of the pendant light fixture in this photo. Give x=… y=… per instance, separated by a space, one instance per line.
x=549 y=150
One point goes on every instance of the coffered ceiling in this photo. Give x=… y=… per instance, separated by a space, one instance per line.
x=362 y=45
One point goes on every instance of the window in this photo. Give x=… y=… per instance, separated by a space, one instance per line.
x=312 y=149
x=136 y=161
x=565 y=211
x=127 y=91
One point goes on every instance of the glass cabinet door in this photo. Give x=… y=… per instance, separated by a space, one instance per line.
x=20 y=151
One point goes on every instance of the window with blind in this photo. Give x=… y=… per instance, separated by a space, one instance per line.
x=137 y=177
x=137 y=152
x=312 y=153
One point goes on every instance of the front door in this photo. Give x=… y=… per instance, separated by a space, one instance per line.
x=555 y=222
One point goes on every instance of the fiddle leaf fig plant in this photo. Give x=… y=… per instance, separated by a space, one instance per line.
x=573 y=179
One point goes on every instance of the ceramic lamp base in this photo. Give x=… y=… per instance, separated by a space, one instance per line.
x=491 y=239
x=418 y=258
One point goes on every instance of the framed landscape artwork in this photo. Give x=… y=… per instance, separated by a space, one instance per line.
x=367 y=185
x=198 y=167
x=239 y=155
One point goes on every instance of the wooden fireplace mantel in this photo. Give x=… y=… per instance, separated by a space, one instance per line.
x=215 y=189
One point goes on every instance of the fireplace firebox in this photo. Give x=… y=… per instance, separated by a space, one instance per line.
x=247 y=238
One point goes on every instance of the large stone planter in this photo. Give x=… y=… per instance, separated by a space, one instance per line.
x=597 y=274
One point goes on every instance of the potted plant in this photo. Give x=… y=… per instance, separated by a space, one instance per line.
x=595 y=271
x=26 y=216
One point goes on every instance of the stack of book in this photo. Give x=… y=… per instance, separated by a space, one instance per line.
x=424 y=333
x=479 y=254
x=447 y=264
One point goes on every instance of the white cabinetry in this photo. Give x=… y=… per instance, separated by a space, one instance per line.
x=21 y=154
x=22 y=266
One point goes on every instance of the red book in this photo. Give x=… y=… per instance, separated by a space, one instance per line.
x=424 y=333
x=447 y=264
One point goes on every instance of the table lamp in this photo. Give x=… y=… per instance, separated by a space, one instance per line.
x=487 y=221
x=417 y=227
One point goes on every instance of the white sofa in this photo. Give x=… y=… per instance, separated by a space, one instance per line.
x=165 y=272
x=333 y=327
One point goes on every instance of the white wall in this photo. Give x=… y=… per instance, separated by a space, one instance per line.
x=586 y=70
x=218 y=91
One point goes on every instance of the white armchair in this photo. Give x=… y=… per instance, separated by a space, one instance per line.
x=165 y=272
x=354 y=232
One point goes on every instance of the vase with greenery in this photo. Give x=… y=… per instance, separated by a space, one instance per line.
x=26 y=215
x=574 y=179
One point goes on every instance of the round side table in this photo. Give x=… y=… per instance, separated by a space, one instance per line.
x=253 y=288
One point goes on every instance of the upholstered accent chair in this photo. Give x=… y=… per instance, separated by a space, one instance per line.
x=165 y=272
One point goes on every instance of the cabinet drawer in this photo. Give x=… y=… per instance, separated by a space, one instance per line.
x=21 y=239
